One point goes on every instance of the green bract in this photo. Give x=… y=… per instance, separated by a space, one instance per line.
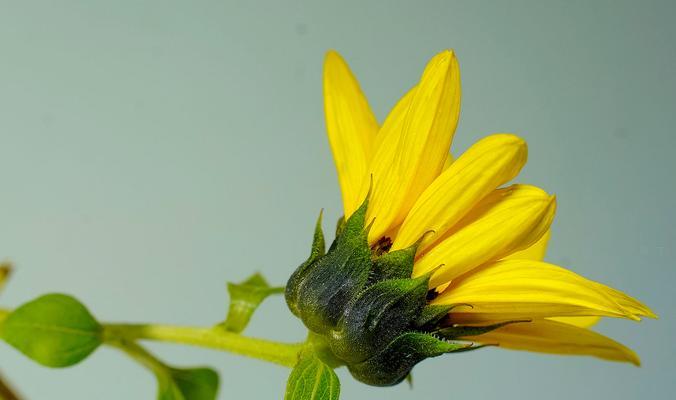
x=365 y=306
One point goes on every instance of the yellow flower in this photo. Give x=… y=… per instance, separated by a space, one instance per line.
x=482 y=242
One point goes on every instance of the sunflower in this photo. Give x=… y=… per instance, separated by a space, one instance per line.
x=480 y=242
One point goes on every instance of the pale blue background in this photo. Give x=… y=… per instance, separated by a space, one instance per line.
x=150 y=151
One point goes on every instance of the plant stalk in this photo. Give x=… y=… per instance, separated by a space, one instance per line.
x=285 y=354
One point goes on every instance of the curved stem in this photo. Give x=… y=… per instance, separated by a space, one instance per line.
x=142 y=355
x=285 y=354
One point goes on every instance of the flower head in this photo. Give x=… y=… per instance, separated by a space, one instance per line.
x=437 y=248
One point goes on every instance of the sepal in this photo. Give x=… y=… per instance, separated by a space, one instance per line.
x=321 y=292
x=377 y=316
x=431 y=315
x=394 y=363
x=396 y=264
x=295 y=281
x=459 y=331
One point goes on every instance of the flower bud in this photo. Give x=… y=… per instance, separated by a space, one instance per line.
x=364 y=307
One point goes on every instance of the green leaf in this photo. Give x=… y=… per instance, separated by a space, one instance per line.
x=54 y=330
x=188 y=384
x=245 y=298
x=311 y=379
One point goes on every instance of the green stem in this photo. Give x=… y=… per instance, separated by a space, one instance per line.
x=142 y=355
x=285 y=354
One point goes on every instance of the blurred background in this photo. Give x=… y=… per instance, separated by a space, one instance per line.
x=151 y=151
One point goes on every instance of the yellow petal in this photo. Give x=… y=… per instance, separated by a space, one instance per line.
x=553 y=337
x=580 y=322
x=413 y=152
x=629 y=303
x=505 y=221
x=536 y=251
x=395 y=119
x=351 y=128
x=524 y=289
x=489 y=163
x=448 y=162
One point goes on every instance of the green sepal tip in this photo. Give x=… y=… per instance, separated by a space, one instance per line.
x=459 y=331
x=431 y=315
x=317 y=250
x=396 y=264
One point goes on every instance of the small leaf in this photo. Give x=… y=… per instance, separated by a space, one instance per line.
x=311 y=379
x=188 y=384
x=55 y=330
x=245 y=298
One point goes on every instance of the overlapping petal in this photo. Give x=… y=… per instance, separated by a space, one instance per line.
x=351 y=128
x=554 y=337
x=581 y=322
x=505 y=221
x=524 y=289
x=394 y=122
x=414 y=150
x=536 y=251
x=489 y=163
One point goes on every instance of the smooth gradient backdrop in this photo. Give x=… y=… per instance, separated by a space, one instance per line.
x=151 y=151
